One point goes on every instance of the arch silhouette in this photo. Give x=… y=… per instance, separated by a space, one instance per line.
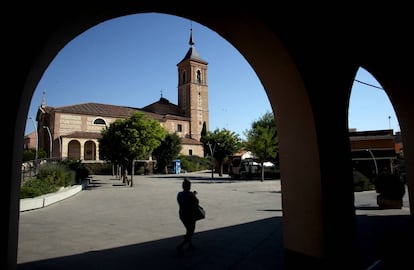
x=367 y=92
x=311 y=111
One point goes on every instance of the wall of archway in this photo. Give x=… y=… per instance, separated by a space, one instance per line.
x=294 y=117
x=310 y=111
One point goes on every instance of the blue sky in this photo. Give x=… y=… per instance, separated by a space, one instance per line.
x=131 y=61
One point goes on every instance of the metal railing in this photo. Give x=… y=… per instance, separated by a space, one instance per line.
x=30 y=168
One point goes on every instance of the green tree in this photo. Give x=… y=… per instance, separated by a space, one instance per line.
x=221 y=144
x=30 y=154
x=41 y=153
x=262 y=139
x=131 y=138
x=168 y=150
x=203 y=138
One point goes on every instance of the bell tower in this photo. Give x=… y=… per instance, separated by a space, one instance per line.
x=193 y=90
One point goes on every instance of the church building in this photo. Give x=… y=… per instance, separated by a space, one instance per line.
x=72 y=132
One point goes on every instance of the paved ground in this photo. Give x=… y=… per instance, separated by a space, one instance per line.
x=111 y=226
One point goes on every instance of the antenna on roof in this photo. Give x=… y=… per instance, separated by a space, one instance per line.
x=161 y=92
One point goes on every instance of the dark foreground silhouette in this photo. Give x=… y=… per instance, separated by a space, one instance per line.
x=253 y=245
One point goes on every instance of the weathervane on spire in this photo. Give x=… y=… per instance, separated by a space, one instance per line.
x=161 y=92
x=191 y=42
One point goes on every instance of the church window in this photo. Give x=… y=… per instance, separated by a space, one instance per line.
x=198 y=76
x=99 y=121
x=184 y=77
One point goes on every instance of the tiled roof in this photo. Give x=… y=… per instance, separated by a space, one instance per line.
x=97 y=109
x=382 y=132
x=159 y=110
x=162 y=106
x=192 y=54
x=83 y=134
x=190 y=141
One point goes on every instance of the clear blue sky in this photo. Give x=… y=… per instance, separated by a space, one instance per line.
x=131 y=60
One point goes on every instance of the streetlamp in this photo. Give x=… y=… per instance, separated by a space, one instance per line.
x=212 y=151
x=50 y=140
x=389 y=121
x=60 y=147
x=373 y=158
x=37 y=145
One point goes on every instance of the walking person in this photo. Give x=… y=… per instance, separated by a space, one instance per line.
x=188 y=203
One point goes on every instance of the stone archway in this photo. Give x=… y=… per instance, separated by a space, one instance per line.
x=74 y=150
x=90 y=151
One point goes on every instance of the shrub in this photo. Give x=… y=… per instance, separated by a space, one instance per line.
x=390 y=186
x=361 y=182
x=29 y=154
x=57 y=174
x=34 y=187
x=194 y=163
x=50 y=178
x=99 y=168
x=81 y=172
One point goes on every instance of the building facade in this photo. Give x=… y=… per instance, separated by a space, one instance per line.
x=72 y=132
x=374 y=151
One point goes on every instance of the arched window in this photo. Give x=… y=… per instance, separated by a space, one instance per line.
x=99 y=121
x=184 y=77
x=198 y=76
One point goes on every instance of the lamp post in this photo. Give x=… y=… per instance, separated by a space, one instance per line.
x=389 y=121
x=373 y=158
x=50 y=141
x=212 y=151
x=60 y=147
x=37 y=145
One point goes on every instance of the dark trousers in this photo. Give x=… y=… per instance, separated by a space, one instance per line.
x=189 y=225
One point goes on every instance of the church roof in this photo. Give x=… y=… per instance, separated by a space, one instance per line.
x=161 y=110
x=192 y=54
x=96 y=109
x=190 y=141
x=83 y=134
x=162 y=106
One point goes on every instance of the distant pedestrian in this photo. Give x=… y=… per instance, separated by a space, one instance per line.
x=188 y=202
x=125 y=178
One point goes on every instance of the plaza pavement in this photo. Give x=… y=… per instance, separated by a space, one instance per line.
x=112 y=226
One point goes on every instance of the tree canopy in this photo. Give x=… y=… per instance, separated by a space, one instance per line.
x=262 y=139
x=221 y=144
x=167 y=151
x=131 y=138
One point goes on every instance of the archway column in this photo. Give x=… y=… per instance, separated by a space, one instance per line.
x=398 y=89
x=316 y=170
x=65 y=143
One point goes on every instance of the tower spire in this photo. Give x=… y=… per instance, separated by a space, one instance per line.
x=193 y=90
x=191 y=42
